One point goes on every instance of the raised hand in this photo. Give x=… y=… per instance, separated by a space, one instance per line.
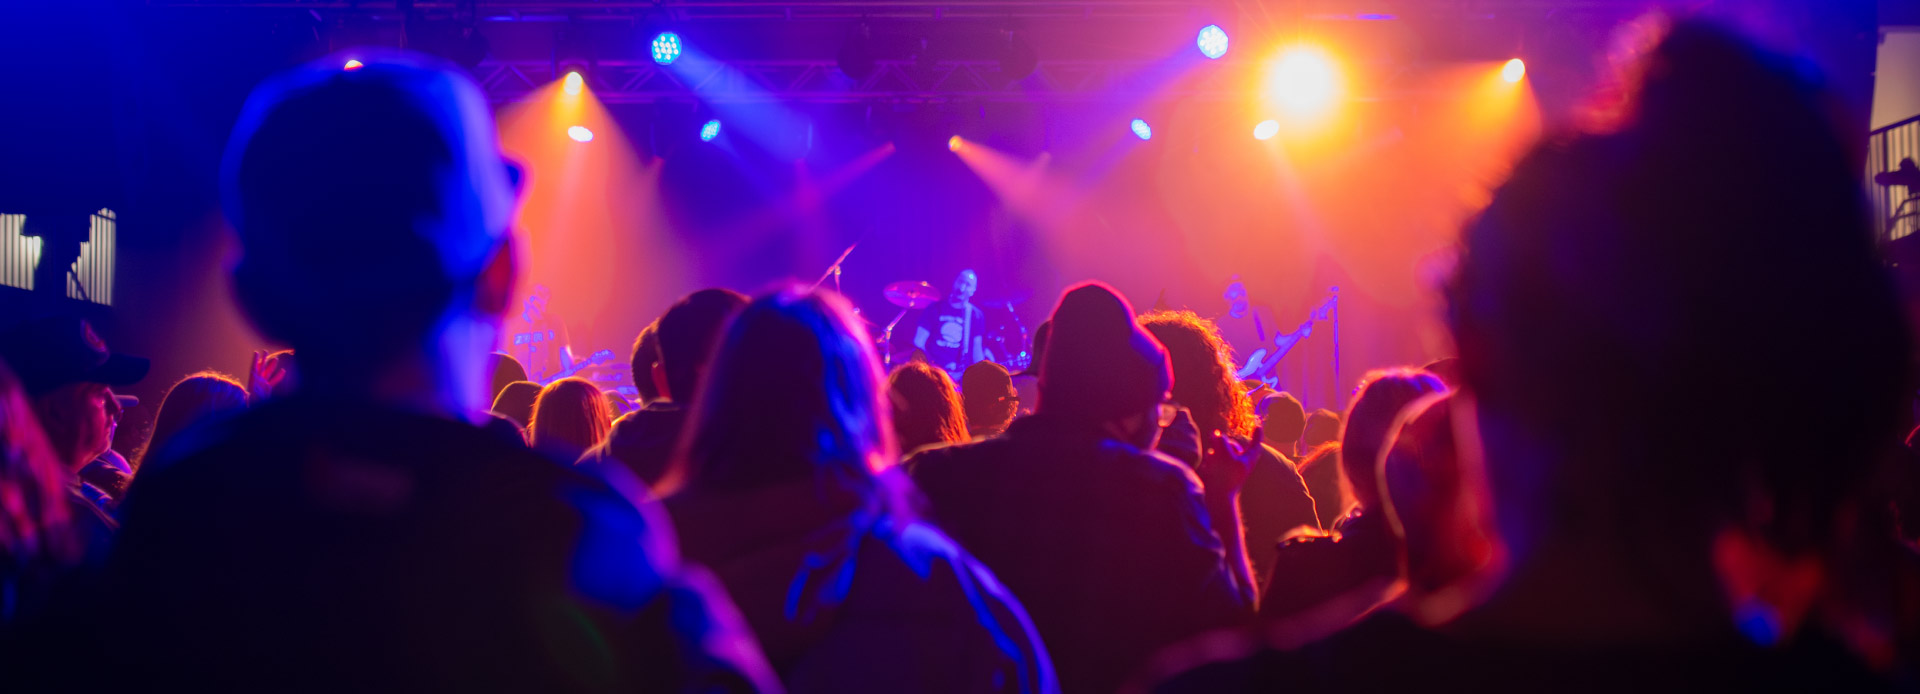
x=265 y=375
x=1225 y=465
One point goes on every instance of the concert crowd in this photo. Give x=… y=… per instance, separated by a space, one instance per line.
x=1667 y=456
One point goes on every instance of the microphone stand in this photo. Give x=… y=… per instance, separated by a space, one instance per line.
x=834 y=269
x=886 y=340
x=1337 y=383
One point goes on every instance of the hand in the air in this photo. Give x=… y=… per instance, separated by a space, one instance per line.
x=265 y=375
x=1226 y=464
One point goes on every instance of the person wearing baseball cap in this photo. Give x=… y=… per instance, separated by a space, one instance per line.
x=1111 y=545
x=364 y=532
x=69 y=375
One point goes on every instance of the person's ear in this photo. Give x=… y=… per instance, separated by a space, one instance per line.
x=494 y=293
x=659 y=377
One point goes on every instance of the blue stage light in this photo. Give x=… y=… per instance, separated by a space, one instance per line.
x=666 y=48
x=709 y=131
x=1142 y=130
x=1212 y=41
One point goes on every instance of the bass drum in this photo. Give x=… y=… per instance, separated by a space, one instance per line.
x=1007 y=340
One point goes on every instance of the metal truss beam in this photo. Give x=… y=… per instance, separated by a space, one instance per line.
x=820 y=81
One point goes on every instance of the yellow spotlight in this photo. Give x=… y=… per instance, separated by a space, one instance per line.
x=353 y=65
x=572 y=83
x=953 y=143
x=1514 y=70
x=1303 y=81
x=1266 y=130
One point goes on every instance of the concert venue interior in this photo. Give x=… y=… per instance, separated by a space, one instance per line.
x=1297 y=172
x=1395 y=119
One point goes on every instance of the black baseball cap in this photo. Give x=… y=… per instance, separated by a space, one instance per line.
x=51 y=352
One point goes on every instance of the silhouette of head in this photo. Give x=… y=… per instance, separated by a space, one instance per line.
x=1427 y=498
x=195 y=399
x=987 y=392
x=372 y=208
x=793 y=393
x=1100 y=366
x=926 y=409
x=1285 y=421
x=1621 y=283
x=1203 y=375
x=515 y=401
x=687 y=334
x=1323 y=426
x=505 y=369
x=569 y=417
x=1378 y=400
x=646 y=353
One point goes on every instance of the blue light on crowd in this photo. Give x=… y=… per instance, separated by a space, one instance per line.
x=666 y=48
x=709 y=131
x=1212 y=41
x=1142 y=130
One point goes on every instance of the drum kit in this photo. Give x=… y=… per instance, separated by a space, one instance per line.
x=1006 y=336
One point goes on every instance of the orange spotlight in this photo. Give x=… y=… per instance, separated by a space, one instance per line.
x=353 y=65
x=1303 y=81
x=1514 y=70
x=573 y=83
x=953 y=143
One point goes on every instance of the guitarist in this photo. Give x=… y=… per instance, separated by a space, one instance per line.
x=1245 y=327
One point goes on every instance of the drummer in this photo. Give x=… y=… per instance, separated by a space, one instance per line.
x=951 y=332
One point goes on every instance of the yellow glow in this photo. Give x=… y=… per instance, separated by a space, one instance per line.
x=354 y=64
x=1514 y=70
x=573 y=83
x=953 y=143
x=1303 y=81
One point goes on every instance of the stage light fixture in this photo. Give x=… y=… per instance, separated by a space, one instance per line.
x=353 y=65
x=580 y=133
x=1212 y=41
x=666 y=47
x=1303 y=81
x=572 y=83
x=1016 y=57
x=1266 y=130
x=1513 y=71
x=709 y=131
x=953 y=143
x=1141 y=129
x=858 y=57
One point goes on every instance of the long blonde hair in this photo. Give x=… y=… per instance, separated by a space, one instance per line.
x=569 y=417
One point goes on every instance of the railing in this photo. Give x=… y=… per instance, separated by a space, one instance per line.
x=1896 y=208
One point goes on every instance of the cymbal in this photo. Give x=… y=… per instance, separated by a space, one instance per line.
x=907 y=294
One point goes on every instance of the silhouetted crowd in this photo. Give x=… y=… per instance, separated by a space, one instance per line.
x=1667 y=456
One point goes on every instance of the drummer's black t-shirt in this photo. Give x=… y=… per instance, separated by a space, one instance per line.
x=951 y=331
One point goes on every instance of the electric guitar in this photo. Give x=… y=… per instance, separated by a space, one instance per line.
x=1260 y=364
x=595 y=359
